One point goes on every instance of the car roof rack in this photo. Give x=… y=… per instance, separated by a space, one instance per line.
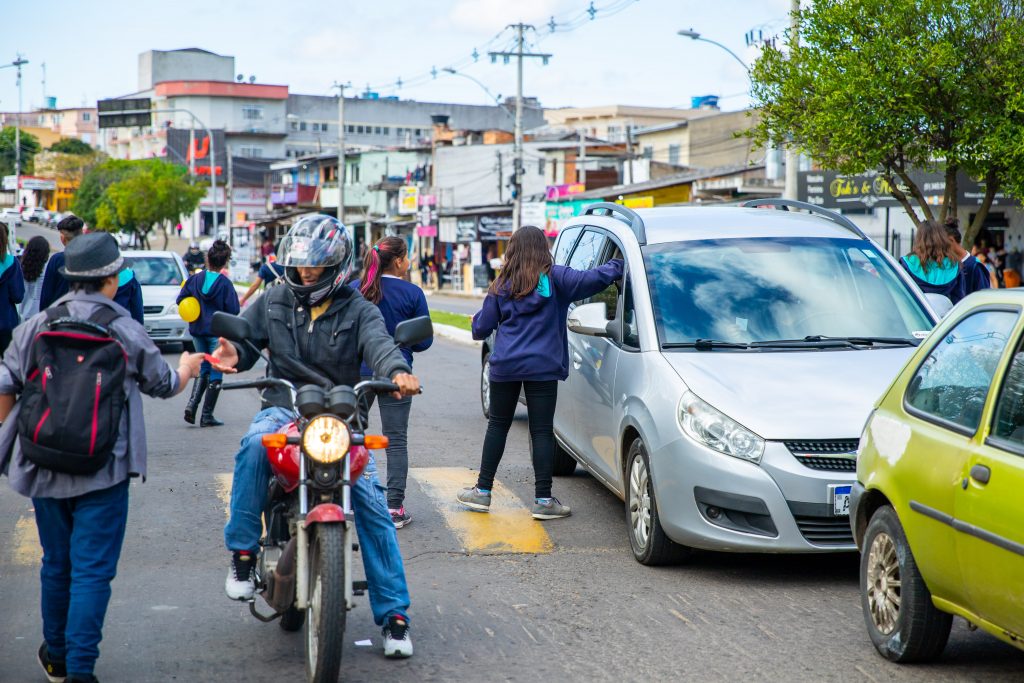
x=621 y=213
x=787 y=204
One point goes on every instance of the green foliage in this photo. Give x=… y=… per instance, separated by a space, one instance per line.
x=896 y=85
x=72 y=146
x=29 y=148
x=135 y=196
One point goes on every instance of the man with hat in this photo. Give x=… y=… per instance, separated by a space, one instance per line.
x=81 y=517
x=55 y=285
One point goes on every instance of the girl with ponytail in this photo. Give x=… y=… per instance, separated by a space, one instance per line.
x=382 y=283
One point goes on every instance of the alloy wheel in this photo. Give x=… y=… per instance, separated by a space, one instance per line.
x=639 y=502
x=883 y=583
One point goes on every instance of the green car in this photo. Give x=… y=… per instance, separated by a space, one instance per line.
x=938 y=507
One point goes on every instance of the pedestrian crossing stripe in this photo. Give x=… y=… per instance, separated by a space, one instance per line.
x=509 y=526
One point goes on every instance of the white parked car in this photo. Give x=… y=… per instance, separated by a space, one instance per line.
x=11 y=216
x=36 y=214
x=161 y=274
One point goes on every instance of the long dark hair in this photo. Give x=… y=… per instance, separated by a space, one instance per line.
x=527 y=257
x=5 y=236
x=34 y=258
x=932 y=245
x=376 y=261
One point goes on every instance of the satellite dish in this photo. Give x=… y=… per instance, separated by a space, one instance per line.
x=239 y=78
x=252 y=79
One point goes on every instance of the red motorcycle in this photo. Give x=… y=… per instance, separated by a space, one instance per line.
x=304 y=571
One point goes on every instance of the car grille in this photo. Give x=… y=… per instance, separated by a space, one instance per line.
x=159 y=332
x=825 y=530
x=821 y=454
x=152 y=310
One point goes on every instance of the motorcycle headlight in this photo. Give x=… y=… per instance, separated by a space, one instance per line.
x=718 y=431
x=326 y=439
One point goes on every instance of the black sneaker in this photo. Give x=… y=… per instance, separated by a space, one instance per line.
x=240 y=583
x=397 y=642
x=55 y=670
x=399 y=517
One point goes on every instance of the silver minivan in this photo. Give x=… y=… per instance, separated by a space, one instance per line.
x=721 y=389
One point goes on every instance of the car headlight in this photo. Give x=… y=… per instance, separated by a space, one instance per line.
x=172 y=310
x=326 y=439
x=718 y=431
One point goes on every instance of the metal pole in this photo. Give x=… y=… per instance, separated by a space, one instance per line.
x=792 y=158
x=229 y=217
x=581 y=160
x=517 y=206
x=17 y=143
x=341 y=152
x=629 y=152
x=192 y=174
x=213 y=181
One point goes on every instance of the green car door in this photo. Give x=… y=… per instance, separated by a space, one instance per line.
x=990 y=541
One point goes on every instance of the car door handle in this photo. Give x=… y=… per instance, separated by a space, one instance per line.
x=981 y=474
x=577 y=360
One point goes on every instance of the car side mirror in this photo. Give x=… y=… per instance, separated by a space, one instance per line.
x=940 y=304
x=590 y=319
x=414 y=331
x=231 y=327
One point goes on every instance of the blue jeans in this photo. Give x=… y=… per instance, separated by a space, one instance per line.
x=81 y=539
x=378 y=540
x=207 y=345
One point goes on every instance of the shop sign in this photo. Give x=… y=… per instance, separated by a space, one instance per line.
x=534 y=213
x=637 y=202
x=426 y=230
x=831 y=190
x=555 y=192
x=476 y=254
x=465 y=230
x=428 y=200
x=408 y=199
x=495 y=226
x=557 y=213
x=448 y=230
x=30 y=183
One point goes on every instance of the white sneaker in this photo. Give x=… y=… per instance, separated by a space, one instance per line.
x=240 y=584
x=397 y=642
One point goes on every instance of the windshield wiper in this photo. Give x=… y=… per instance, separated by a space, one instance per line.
x=820 y=341
x=705 y=345
x=868 y=341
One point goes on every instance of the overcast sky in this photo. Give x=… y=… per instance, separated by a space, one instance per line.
x=91 y=47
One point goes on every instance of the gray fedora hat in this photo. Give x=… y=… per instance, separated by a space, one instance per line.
x=91 y=257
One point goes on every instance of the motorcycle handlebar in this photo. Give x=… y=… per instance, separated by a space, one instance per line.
x=262 y=383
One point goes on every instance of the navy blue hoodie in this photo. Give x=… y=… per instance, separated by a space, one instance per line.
x=12 y=291
x=531 y=344
x=947 y=278
x=399 y=301
x=215 y=293
x=129 y=291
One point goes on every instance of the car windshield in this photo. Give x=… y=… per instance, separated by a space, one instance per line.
x=744 y=291
x=155 y=270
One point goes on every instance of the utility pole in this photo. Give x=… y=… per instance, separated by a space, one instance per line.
x=629 y=152
x=501 y=179
x=192 y=174
x=17 y=63
x=229 y=218
x=581 y=160
x=517 y=169
x=341 y=149
x=792 y=158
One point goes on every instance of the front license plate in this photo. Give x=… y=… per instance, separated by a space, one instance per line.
x=840 y=496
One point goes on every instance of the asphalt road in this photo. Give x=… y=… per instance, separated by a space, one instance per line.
x=27 y=231
x=576 y=608
x=454 y=304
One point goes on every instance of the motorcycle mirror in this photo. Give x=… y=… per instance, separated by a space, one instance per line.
x=231 y=327
x=341 y=401
x=309 y=400
x=414 y=331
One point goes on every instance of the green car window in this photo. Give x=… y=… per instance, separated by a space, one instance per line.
x=1009 y=420
x=954 y=379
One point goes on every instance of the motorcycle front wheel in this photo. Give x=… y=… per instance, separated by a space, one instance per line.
x=325 y=618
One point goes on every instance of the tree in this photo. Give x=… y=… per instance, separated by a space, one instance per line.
x=903 y=85
x=29 y=147
x=150 y=193
x=72 y=146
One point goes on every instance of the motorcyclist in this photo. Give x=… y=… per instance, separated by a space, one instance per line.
x=317 y=331
x=194 y=259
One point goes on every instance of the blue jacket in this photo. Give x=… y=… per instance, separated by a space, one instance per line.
x=531 y=344
x=54 y=284
x=947 y=278
x=129 y=294
x=215 y=293
x=12 y=291
x=976 y=275
x=399 y=301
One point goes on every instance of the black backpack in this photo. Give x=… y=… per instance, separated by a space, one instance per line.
x=74 y=393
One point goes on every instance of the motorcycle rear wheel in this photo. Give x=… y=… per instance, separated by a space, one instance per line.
x=325 y=618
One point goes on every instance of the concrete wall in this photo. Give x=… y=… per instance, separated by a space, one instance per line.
x=714 y=141
x=471 y=172
x=407 y=122
x=156 y=66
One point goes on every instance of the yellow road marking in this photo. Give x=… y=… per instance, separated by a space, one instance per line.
x=507 y=528
x=27 y=551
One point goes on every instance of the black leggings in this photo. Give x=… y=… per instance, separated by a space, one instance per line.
x=540 y=405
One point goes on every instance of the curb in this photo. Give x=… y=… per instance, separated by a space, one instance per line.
x=455 y=334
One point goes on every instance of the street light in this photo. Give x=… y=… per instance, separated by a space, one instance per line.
x=690 y=33
x=496 y=98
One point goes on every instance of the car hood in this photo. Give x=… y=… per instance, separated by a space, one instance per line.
x=159 y=295
x=793 y=394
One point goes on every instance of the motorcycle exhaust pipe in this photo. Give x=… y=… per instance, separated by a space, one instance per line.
x=280 y=590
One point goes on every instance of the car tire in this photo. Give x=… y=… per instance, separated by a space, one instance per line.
x=912 y=629
x=485 y=385
x=650 y=545
x=565 y=464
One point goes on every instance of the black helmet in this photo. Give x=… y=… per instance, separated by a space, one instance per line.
x=316 y=241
